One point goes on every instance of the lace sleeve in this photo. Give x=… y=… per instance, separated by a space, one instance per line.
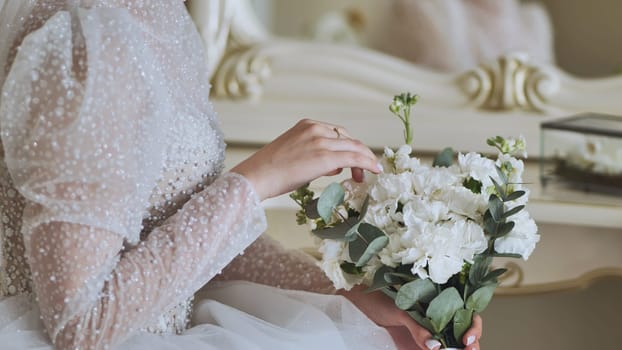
x=92 y=297
x=267 y=262
x=86 y=158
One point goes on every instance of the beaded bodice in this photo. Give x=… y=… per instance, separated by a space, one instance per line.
x=190 y=154
x=114 y=212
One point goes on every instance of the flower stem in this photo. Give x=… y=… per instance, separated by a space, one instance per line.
x=408 y=132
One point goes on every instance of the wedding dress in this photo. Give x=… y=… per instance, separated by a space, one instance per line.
x=114 y=209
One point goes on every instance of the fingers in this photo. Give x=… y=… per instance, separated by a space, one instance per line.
x=402 y=338
x=358 y=174
x=422 y=337
x=472 y=336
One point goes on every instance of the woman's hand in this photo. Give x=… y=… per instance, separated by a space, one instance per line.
x=406 y=332
x=305 y=152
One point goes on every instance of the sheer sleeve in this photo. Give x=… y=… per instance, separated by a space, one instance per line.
x=85 y=157
x=267 y=262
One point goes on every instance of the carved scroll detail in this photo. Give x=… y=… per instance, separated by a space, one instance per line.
x=510 y=83
x=513 y=277
x=242 y=73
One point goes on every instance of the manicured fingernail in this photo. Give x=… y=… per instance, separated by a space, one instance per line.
x=432 y=344
x=380 y=168
x=470 y=340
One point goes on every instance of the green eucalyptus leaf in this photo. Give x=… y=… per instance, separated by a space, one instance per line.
x=495 y=205
x=379 y=282
x=332 y=196
x=480 y=298
x=369 y=231
x=407 y=277
x=422 y=320
x=352 y=232
x=421 y=290
x=504 y=229
x=311 y=209
x=515 y=195
x=499 y=189
x=390 y=292
x=442 y=308
x=507 y=255
x=493 y=275
x=445 y=158
x=513 y=211
x=479 y=269
x=462 y=322
x=490 y=226
x=393 y=278
x=366 y=234
x=356 y=248
x=372 y=250
x=350 y=268
x=337 y=232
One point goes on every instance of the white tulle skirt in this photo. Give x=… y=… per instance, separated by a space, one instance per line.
x=231 y=316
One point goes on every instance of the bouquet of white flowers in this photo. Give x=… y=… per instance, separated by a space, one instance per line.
x=426 y=235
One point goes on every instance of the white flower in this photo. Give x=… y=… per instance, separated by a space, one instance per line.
x=355 y=193
x=426 y=181
x=522 y=239
x=474 y=240
x=438 y=250
x=392 y=186
x=517 y=146
x=403 y=160
x=426 y=210
x=516 y=174
x=332 y=257
x=463 y=201
x=478 y=167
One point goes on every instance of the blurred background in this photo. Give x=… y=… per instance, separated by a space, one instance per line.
x=567 y=296
x=582 y=37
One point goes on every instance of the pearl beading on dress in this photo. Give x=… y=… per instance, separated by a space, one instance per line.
x=114 y=209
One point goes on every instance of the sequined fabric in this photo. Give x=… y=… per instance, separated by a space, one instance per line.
x=114 y=209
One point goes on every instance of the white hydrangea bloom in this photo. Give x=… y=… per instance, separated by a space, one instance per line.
x=333 y=252
x=523 y=238
x=355 y=193
x=460 y=200
x=480 y=168
x=426 y=181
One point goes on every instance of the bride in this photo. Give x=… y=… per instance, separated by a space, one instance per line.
x=115 y=211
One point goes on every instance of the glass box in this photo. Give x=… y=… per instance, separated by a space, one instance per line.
x=582 y=153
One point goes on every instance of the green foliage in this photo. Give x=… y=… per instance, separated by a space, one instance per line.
x=303 y=196
x=351 y=269
x=379 y=281
x=445 y=158
x=372 y=249
x=417 y=291
x=479 y=269
x=481 y=298
x=462 y=322
x=329 y=199
x=474 y=185
x=442 y=308
x=359 y=249
x=422 y=320
x=338 y=231
x=400 y=107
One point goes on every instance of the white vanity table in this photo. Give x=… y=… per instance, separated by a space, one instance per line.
x=263 y=85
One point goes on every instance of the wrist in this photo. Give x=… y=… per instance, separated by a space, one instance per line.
x=252 y=181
